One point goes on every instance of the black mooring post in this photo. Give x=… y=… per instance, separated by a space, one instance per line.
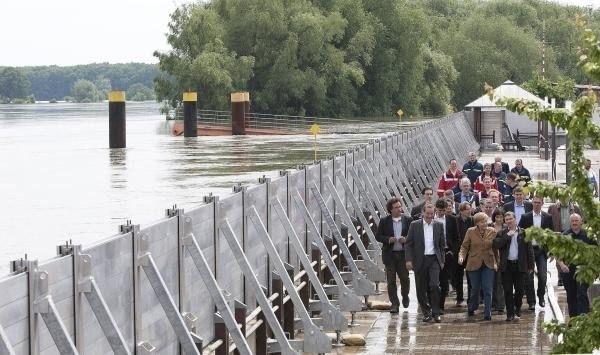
x=190 y=114
x=238 y=112
x=116 y=120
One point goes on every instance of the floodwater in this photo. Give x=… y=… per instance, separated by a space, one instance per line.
x=60 y=181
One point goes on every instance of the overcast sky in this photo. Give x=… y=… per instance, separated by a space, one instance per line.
x=67 y=32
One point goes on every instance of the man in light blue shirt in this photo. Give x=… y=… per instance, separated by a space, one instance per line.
x=519 y=206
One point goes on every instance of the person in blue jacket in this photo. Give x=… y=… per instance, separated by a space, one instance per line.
x=472 y=168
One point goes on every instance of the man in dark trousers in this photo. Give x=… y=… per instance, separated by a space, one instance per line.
x=540 y=219
x=392 y=232
x=463 y=223
x=425 y=255
x=577 y=292
x=518 y=206
x=451 y=238
x=416 y=211
x=516 y=261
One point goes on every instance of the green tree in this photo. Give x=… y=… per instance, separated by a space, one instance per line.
x=103 y=85
x=85 y=91
x=582 y=333
x=561 y=90
x=13 y=84
x=140 y=92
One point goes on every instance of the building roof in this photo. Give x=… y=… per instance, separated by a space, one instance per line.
x=508 y=89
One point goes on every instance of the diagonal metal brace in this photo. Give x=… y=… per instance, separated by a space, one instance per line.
x=44 y=306
x=370 y=202
x=191 y=245
x=315 y=340
x=5 y=347
x=283 y=343
x=88 y=286
x=363 y=286
x=374 y=273
x=332 y=317
x=348 y=299
x=168 y=305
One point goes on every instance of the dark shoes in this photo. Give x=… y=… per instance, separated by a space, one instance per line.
x=394 y=309
x=560 y=283
x=427 y=318
x=459 y=303
x=487 y=318
x=442 y=311
x=437 y=319
x=405 y=302
x=510 y=318
x=532 y=307
x=542 y=303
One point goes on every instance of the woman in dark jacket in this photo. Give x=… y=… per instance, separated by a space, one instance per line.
x=516 y=260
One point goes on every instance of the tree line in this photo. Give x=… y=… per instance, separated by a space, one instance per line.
x=364 y=57
x=80 y=83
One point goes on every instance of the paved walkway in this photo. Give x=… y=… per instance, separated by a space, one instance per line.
x=456 y=334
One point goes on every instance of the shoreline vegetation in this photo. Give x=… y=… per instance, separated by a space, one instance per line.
x=335 y=58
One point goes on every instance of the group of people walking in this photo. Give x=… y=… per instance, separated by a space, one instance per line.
x=477 y=225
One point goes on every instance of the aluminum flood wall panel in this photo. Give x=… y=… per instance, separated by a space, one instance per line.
x=253 y=246
x=297 y=183
x=14 y=311
x=229 y=275
x=313 y=177
x=339 y=164
x=327 y=172
x=112 y=269
x=198 y=300
x=60 y=287
x=279 y=190
x=162 y=244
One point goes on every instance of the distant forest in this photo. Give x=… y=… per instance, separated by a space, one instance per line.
x=337 y=57
x=81 y=83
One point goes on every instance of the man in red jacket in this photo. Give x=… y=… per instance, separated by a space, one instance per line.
x=449 y=179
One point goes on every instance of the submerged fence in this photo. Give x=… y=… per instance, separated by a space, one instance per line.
x=240 y=273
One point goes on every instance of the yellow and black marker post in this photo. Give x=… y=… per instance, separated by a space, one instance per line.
x=190 y=114
x=116 y=119
x=239 y=102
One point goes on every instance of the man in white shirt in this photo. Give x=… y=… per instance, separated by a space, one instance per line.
x=540 y=219
x=424 y=252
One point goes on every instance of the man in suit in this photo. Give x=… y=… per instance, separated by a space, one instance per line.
x=518 y=206
x=516 y=261
x=466 y=194
x=561 y=213
x=392 y=232
x=577 y=292
x=464 y=221
x=450 y=238
x=540 y=219
x=416 y=211
x=425 y=255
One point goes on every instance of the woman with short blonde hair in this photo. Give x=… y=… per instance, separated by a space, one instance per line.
x=481 y=265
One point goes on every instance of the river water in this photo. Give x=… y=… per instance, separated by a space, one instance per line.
x=59 y=180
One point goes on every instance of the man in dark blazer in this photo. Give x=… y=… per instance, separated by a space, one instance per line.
x=519 y=205
x=450 y=238
x=416 y=211
x=392 y=231
x=425 y=249
x=540 y=219
x=516 y=261
x=466 y=194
